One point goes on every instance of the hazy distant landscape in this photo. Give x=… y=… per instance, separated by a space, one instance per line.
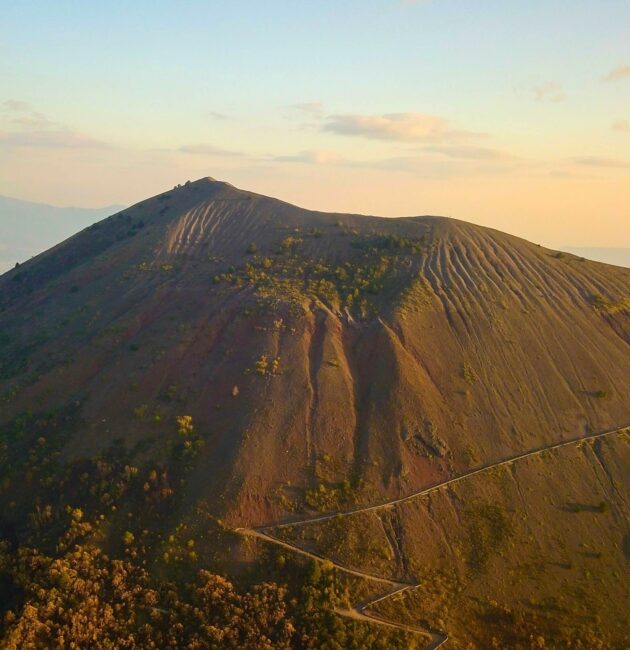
x=617 y=256
x=27 y=229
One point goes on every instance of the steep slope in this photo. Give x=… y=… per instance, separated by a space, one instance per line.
x=211 y=360
x=325 y=359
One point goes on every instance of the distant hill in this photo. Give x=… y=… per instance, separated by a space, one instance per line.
x=210 y=360
x=616 y=256
x=28 y=228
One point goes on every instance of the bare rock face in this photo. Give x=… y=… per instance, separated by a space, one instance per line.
x=309 y=348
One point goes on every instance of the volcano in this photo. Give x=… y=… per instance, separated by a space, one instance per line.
x=308 y=362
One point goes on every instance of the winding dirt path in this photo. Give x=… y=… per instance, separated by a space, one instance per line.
x=258 y=533
x=361 y=611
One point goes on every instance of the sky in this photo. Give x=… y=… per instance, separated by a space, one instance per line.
x=510 y=114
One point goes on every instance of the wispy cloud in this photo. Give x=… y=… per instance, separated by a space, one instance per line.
x=38 y=131
x=549 y=92
x=217 y=116
x=205 y=149
x=403 y=127
x=463 y=152
x=34 y=121
x=15 y=105
x=51 y=139
x=595 y=161
x=22 y=114
x=566 y=174
x=428 y=166
x=621 y=125
x=622 y=72
x=422 y=162
x=318 y=157
x=310 y=108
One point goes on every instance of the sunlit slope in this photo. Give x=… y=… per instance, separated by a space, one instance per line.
x=325 y=359
x=539 y=548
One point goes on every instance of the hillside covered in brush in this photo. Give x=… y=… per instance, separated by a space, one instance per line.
x=210 y=359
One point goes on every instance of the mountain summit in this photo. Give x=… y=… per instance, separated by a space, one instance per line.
x=311 y=347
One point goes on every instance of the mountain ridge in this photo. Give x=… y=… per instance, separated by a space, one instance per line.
x=357 y=284
x=216 y=186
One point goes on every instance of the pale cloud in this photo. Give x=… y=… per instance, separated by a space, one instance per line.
x=622 y=72
x=433 y=160
x=51 y=139
x=621 y=125
x=210 y=150
x=404 y=127
x=549 y=92
x=464 y=152
x=565 y=174
x=595 y=161
x=310 y=108
x=217 y=116
x=23 y=114
x=408 y=164
x=38 y=131
x=424 y=164
x=427 y=166
x=15 y=105
x=319 y=157
x=33 y=120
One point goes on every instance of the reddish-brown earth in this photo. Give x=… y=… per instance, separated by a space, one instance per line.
x=327 y=360
x=477 y=346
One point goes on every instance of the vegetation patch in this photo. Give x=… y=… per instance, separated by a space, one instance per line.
x=489 y=528
x=84 y=598
x=468 y=373
x=381 y=264
x=328 y=497
x=609 y=306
